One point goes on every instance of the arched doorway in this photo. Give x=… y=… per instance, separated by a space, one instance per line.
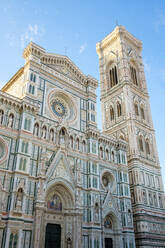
x=53 y=236
x=112 y=230
x=108 y=227
x=59 y=220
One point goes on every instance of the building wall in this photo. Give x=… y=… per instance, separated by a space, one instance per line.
x=56 y=166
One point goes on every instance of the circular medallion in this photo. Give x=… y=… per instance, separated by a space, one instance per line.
x=58 y=108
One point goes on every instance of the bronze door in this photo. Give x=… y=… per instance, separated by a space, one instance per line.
x=108 y=243
x=53 y=236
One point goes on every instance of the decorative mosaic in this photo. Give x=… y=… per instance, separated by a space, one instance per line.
x=55 y=203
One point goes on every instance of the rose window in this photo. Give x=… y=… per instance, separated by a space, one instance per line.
x=62 y=106
x=59 y=108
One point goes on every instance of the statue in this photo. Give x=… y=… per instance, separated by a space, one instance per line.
x=1 y=116
x=19 y=199
x=62 y=136
x=36 y=129
x=11 y=120
x=43 y=162
x=44 y=132
x=51 y=135
x=96 y=213
x=69 y=243
x=69 y=240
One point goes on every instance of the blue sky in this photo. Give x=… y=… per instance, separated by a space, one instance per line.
x=74 y=28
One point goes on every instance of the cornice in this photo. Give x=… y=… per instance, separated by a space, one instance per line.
x=106 y=139
x=117 y=89
x=11 y=81
x=42 y=57
x=119 y=32
x=21 y=104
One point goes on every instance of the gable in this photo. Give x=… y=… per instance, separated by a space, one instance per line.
x=65 y=71
x=60 y=169
x=64 y=65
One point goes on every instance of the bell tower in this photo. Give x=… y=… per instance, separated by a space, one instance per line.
x=126 y=115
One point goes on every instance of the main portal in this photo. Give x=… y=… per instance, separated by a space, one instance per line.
x=108 y=243
x=53 y=236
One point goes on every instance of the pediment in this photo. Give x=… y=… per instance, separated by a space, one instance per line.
x=65 y=71
x=60 y=168
x=65 y=66
x=110 y=204
x=61 y=63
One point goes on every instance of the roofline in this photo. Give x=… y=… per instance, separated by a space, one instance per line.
x=9 y=83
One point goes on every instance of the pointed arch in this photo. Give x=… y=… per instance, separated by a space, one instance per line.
x=112 y=156
x=36 y=129
x=147 y=146
x=119 y=110
x=11 y=120
x=107 y=154
x=1 y=116
x=134 y=72
x=44 y=132
x=77 y=144
x=108 y=222
x=111 y=74
x=142 y=112
x=112 y=116
x=62 y=135
x=84 y=146
x=71 y=141
x=52 y=134
x=114 y=221
x=141 y=143
x=136 y=109
x=62 y=191
x=101 y=152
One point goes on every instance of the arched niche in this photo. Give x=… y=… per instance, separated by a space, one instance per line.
x=108 y=181
x=59 y=198
x=111 y=222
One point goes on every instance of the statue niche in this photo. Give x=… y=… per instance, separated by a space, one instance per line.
x=1 y=116
x=19 y=200
x=11 y=120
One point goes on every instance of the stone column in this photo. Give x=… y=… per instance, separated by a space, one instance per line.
x=20 y=239
x=77 y=230
x=40 y=202
x=7 y=237
x=38 y=232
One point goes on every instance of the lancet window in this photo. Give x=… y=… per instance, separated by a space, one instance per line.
x=119 y=112
x=113 y=76
x=111 y=113
x=136 y=109
x=133 y=75
x=142 y=113
x=147 y=147
x=141 y=144
x=1 y=116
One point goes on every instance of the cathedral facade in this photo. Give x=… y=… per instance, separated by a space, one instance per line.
x=63 y=182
